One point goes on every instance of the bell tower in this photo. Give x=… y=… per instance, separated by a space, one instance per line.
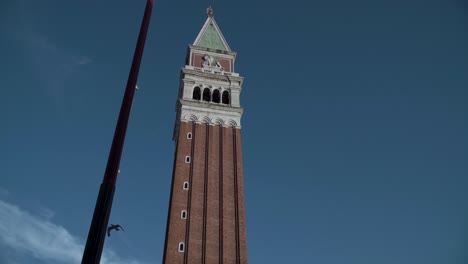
x=206 y=218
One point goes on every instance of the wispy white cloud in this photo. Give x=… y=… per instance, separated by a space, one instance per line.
x=46 y=213
x=55 y=66
x=42 y=45
x=82 y=60
x=4 y=192
x=44 y=240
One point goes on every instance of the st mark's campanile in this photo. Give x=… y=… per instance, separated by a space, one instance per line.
x=206 y=218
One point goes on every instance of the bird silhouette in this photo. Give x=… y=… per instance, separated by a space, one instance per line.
x=112 y=227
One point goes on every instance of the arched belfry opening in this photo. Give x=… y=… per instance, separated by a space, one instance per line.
x=206 y=95
x=226 y=97
x=196 y=93
x=216 y=97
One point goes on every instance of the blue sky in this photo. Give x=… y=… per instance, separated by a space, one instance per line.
x=354 y=127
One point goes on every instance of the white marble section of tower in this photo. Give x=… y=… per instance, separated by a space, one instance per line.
x=210 y=88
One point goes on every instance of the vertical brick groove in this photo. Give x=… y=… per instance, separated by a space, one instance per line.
x=220 y=194
x=229 y=206
x=212 y=206
x=236 y=194
x=189 y=197
x=241 y=203
x=205 y=192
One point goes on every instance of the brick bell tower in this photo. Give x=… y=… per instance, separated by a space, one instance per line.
x=206 y=219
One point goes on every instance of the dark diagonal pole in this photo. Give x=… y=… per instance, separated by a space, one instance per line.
x=97 y=231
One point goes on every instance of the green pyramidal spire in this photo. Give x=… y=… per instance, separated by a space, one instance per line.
x=210 y=35
x=211 y=39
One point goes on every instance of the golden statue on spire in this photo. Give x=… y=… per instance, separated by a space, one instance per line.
x=209 y=11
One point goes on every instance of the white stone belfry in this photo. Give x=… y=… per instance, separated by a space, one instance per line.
x=209 y=87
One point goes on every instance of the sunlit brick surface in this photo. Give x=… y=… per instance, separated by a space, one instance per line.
x=214 y=231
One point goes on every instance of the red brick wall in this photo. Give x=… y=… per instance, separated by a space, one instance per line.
x=212 y=221
x=241 y=200
x=229 y=238
x=175 y=230
x=197 y=192
x=216 y=212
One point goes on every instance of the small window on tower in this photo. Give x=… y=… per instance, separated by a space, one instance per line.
x=181 y=247
x=187 y=159
x=183 y=214
x=189 y=135
x=185 y=186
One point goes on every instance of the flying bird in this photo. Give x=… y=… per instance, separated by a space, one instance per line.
x=112 y=227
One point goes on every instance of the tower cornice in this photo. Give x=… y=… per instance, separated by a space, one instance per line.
x=198 y=48
x=209 y=107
